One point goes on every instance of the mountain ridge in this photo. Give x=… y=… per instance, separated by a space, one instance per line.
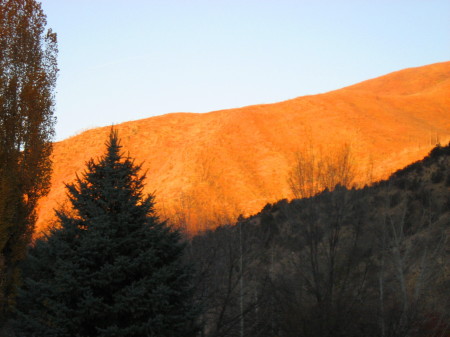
x=207 y=167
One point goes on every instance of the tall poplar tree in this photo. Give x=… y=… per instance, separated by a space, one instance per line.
x=112 y=268
x=28 y=71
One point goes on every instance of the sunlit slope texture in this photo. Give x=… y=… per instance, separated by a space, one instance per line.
x=209 y=166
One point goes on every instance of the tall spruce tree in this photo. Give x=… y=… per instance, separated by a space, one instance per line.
x=28 y=71
x=111 y=268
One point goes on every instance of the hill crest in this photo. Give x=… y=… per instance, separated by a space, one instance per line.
x=208 y=168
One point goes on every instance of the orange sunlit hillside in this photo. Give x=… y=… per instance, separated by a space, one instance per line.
x=216 y=165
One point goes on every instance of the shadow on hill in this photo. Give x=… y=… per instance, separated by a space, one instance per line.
x=351 y=262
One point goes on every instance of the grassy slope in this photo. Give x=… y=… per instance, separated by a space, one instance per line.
x=234 y=161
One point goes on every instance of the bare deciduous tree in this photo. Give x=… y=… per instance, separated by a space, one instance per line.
x=315 y=170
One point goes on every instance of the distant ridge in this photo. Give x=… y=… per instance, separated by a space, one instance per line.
x=213 y=166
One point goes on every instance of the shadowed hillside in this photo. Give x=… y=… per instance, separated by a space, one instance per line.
x=348 y=262
x=208 y=167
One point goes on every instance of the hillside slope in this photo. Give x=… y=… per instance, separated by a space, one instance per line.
x=209 y=166
x=348 y=262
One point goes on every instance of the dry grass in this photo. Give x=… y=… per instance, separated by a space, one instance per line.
x=223 y=163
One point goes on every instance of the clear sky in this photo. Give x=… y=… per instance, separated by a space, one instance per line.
x=123 y=60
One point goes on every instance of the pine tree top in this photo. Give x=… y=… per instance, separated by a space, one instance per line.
x=111 y=187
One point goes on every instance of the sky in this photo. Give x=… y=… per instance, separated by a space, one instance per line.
x=123 y=60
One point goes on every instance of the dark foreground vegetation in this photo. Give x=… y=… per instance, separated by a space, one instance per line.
x=347 y=262
x=109 y=267
x=367 y=262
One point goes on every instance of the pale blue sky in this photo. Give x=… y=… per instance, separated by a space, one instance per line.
x=123 y=60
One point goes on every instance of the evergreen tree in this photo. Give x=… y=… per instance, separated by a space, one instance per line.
x=28 y=71
x=111 y=268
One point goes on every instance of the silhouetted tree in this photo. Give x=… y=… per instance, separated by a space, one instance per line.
x=112 y=268
x=324 y=283
x=230 y=282
x=28 y=71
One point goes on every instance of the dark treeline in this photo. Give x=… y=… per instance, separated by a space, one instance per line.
x=366 y=262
